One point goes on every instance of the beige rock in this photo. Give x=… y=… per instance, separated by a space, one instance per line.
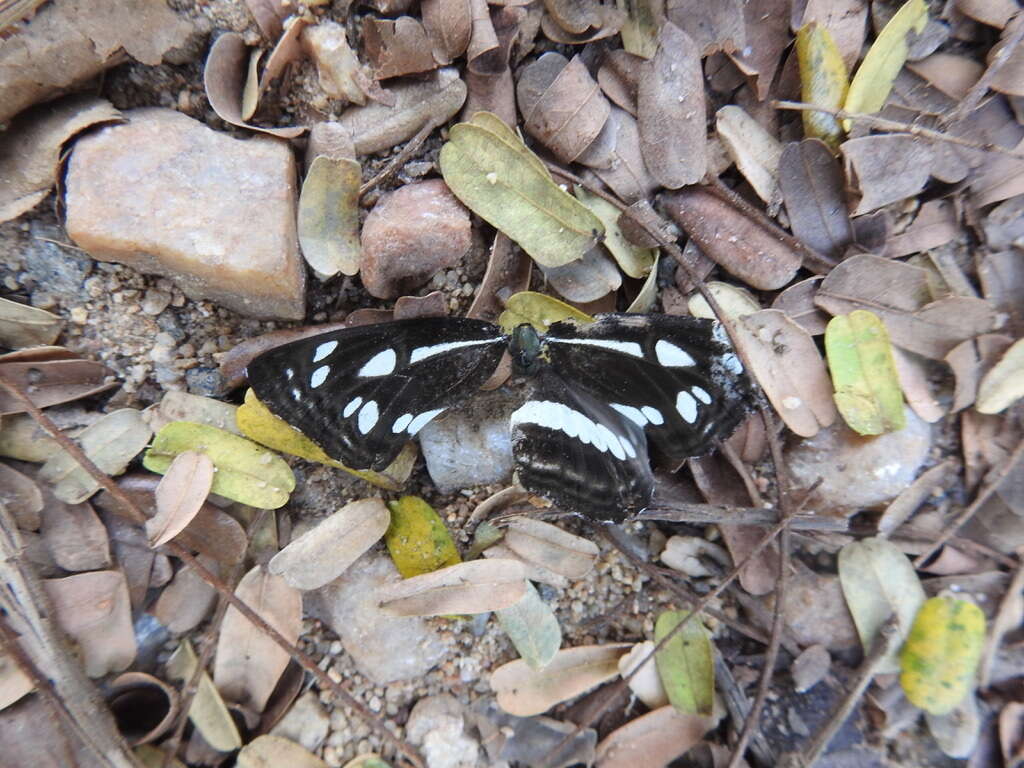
x=167 y=195
x=409 y=235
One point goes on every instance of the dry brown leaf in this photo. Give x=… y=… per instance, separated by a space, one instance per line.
x=268 y=751
x=1002 y=282
x=448 y=24
x=30 y=152
x=765 y=23
x=51 y=382
x=550 y=547
x=1003 y=385
x=180 y=496
x=183 y=406
x=844 y=19
x=936 y=479
x=755 y=152
x=397 y=46
x=474 y=587
x=670 y=106
x=224 y=80
x=93 y=608
x=786 y=362
x=21 y=497
x=508 y=272
x=1009 y=78
x=951 y=73
x=813 y=189
x=936 y=224
x=523 y=691
x=611 y=22
x=626 y=174
x=994 y=13
x=970 y=360
x=562 y=105
x=797 y=302
x=618 y=77
x=657 y=738
x=287 y=49
x=736 y=243
x=714 y=27
x=586 y=279
x=534 y=572
x=268 y=14
x=22 y=325
x=248 y=664
x=14 y=683
x=325 y=551
x=187 y=600
x=73 y=534
x=574 y=16
x=886 y=168
x=914 y=373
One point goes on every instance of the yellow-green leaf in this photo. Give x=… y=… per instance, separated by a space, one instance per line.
x=632 y=259
x=640 y=29
x=823 y=81
x=686 y=663
x=940 y=657
x=245 y=472
x=418 y=540
x=539 y=310
x=493 y=173
x=884 y=60
x=860 y=359
x=329 y=216
x=256 y=422
x=532 y=627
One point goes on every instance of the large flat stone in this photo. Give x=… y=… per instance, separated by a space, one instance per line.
x=167 y=195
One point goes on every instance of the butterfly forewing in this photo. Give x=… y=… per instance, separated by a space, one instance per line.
x=579 y=453
x=675 y=377
x=361 y=393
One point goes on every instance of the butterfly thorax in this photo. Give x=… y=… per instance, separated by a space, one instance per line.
x=526 y=349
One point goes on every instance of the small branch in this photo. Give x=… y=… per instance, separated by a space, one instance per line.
x=411 y=147
x=714 y=514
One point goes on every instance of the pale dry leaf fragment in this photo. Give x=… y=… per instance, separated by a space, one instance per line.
x=224 y=80
x=73 y=535
x=935 y=225
x=14 y=683
x=268 y=15
x=549 y=546
x=94 y=609
x=51 y=382
x=325 y=551
x=657 y=738
x=208 y=712
x=22 y=325
x=797 y=301
x=397 y=47
x=21 y=497
x=645 y=297
x=184 y=406
x=972 y=359
x=1004 y=384
x=903 y=506
x=645 y=682
x=474 y=587
x=913 y=372
x=448 y=24
x=951 y=73
x=626 y=174
x=269 y=751
x=248 y=664
x=755 y=151
x=329 y=216
x=251 y=92
x=1009 y=78
x=524 y=692
x=670 y=105
x=733 y=301
x=765 y=22
x=786 y=362
x=339 y=72
x=187 y=600
x=956 y=733
x=886 y=168
x=813 y=188
x=30 y=152
x=714 y=27
x=534 y=571
x=611 y=21
x=179 y=496
x=435 y=98
x=586 y=279
x=111 y=442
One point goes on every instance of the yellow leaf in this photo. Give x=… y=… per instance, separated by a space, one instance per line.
x=539 y=310
x=823 y=81
x=417 y=539
x=940 y=657
x=886 y=57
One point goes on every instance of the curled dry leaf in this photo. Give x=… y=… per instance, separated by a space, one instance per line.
x=645 y=297
x=562 y=105
x=627 y=174
x=133 y=691
x=574 y=16
x=448 y=25
x=550 y=547
x=286 y=50
x=51 y=382
x=524 y=692
x=611 y=21
x=224 y=80
x=329 y=216
x=489 y=77
x=618 y=77
x=670 y=106
x=786 y=362
x=208 y=712
x=325 y=551
x=248 y=664
x=735 y=242
x=187 y=600
x=434 y=98
x=111 y=442
x=657 y=738
x=30 y=154
x=886 y=168
x=268 y=14
x=475 y=587
x=508 y=273
x=21 y=497
x=93 y=608
x=755 y=151
x=586 y=279
x=397 y=47
x=914 y=373
x=813 y=189
x=22 y=325
x=179 y=496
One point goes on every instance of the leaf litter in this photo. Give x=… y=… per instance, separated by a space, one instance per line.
x=881 y=212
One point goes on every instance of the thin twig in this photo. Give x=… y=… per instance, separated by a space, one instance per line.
x=885 y=124
x=399 y=160
x=715 y=514
x=130 y=510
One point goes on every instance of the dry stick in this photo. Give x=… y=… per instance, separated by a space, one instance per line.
x=133 y=513
x=977 y=91
x=715 y=514
x=992 y=481
x=894 y=125
x=192 y=684
x=401 y=158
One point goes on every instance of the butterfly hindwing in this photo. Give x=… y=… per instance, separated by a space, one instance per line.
x=676 y=377
x=579 y=453
x=361 y=393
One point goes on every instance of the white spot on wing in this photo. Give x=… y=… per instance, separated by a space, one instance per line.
x=380 y=364
x=351 y=407
x=288 y=373
x=401 y=423
x=562 y=418
x=421 y=353
x=631 y=413
x=296 y=394
x=368 y=416
x=653 y=415
x=732 y=363
x=323 y=350
x=687 y=407
x=701 y=394
x=624 y=347
x=319 y=376
x=422 y=420
x=671 y=356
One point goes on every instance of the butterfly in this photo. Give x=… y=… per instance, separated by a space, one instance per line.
x=597 y=394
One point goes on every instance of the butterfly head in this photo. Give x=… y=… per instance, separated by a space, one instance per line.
x=526 y=350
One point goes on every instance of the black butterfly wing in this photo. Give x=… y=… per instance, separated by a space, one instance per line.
x=676 y=377
x=576 y=451
x=361 y=393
